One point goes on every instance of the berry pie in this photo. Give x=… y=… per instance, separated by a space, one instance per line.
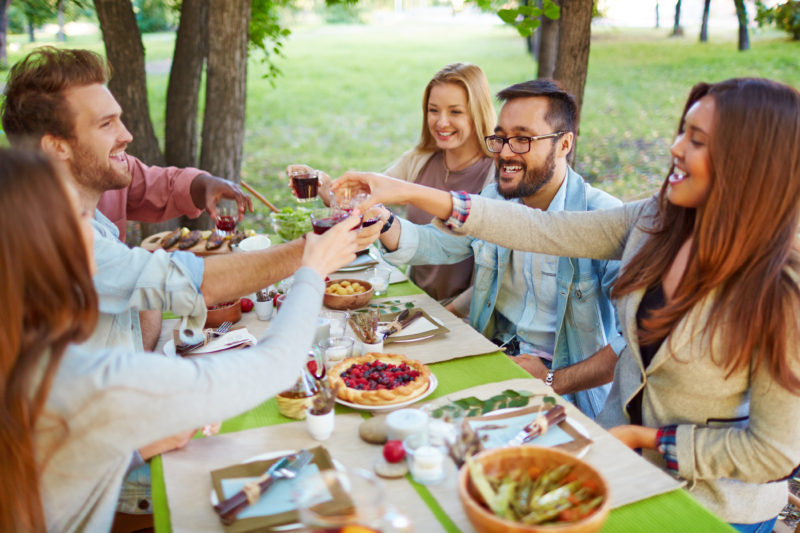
x=379 y=379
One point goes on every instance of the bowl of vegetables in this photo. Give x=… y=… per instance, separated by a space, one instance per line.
x=532 y=489
x=290 y=223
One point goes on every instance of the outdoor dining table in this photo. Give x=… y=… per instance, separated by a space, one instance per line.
x=675 y=510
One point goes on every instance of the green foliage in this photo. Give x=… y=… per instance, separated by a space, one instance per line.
x=473 y=406
x=784 y=16
x=154 y=15
x=267 y=34
x=526 y=17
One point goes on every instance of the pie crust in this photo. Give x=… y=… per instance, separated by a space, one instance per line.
x=380 y=396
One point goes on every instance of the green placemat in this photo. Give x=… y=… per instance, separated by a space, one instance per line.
x=674 y=511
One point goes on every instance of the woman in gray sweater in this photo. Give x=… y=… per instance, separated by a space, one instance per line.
x=708 y=294
x=72 y=418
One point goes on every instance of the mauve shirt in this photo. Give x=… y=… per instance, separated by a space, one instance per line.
x=446 y=281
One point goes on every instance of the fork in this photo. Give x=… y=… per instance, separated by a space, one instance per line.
x=222 y=329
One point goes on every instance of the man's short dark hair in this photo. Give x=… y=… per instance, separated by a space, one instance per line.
x=562 y=113
x=34 y=103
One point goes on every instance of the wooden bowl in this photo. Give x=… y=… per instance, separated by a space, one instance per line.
x=231 y=312
x=351 y=301
x=499 y=461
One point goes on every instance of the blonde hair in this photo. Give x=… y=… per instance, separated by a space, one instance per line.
x=479 y=103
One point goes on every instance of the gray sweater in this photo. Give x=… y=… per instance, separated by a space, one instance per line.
x=735 y=435
x=103 y=405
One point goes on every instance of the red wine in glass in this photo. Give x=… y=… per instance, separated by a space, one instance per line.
x=368 y=222
x=226 y=223
x=321 y=225
x=305 y=186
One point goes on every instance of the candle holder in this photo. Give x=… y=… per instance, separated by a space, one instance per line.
x=425 y=461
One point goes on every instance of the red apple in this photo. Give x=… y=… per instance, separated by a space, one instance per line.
x=393 y=451
x=247 y=305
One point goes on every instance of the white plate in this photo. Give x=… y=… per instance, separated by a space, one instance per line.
x=431 y=387
x=580 y=428
x=361 y=262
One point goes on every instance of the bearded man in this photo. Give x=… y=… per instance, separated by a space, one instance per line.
x=548 y=312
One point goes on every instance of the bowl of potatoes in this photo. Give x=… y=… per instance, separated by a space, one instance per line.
x=347 y=294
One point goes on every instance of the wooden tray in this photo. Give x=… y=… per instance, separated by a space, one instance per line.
x=152 y=243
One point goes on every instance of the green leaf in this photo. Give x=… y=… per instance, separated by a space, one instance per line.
x=508 y=16
x=409 y=305
x=518 y=402
x=549 y=400
x=510 y=393
x=551 y=10
x=530 y=11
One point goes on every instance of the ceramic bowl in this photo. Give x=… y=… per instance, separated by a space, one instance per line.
x=500 y=461
x=350 y=301
x=227 y=312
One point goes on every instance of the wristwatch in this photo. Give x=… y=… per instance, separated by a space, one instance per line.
x=548 y=380
x=388 y=224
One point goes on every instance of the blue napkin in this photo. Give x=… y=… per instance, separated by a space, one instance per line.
x=278 y=499
x=500 y=437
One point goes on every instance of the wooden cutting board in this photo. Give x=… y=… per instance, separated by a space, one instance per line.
x=153 y=242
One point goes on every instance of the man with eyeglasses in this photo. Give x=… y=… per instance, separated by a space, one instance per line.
x=548 y=312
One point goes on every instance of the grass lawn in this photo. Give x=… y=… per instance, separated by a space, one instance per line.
x=350 y=95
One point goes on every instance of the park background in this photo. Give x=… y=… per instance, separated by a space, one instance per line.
x=350 y=77
x=348 y=95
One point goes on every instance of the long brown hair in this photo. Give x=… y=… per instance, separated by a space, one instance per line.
x=479 y=102
x=47 y=301
x=745 y=236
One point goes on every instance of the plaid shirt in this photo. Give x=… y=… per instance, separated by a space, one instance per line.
x=461 y=205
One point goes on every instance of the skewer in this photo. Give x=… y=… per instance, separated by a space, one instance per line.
x=257 y=195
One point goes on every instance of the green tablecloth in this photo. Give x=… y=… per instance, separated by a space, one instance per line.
x=675 y=511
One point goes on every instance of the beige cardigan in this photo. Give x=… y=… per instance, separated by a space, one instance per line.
x=728 y=463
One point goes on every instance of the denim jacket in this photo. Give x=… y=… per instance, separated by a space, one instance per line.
x=586 y=317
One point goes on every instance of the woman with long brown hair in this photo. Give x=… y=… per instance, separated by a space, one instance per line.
x=68 y=431
x=708 y=295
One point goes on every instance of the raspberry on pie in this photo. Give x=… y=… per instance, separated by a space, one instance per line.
x=379 y=379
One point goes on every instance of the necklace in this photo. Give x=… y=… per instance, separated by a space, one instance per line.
x=467 y=165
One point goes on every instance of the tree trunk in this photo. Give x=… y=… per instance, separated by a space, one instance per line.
x=572 y=62
x=61 y=36
x=128 y=82
x=4 y=31
x=532 y=41
x=741 y=14
x=658 y=18
x=704 y=23
x=548 y=47
x=191 y=47
x=31 y=36
x=226 y=84
x=677 y=30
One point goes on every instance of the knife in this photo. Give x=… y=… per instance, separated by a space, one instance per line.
x=285 y=468
x=539 y=425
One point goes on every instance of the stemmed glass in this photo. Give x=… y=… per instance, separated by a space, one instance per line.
x=227 y=216
x=333 y=499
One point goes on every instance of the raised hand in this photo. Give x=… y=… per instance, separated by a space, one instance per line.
x=324 y=187
x=335 y=248
x=207 y=190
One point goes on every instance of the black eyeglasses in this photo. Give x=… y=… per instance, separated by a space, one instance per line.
x=518 y=144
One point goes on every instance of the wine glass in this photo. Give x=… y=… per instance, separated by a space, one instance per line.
x=227 y=216
x=333 y=499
